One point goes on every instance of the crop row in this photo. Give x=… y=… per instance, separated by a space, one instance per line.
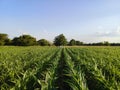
x=54 y=68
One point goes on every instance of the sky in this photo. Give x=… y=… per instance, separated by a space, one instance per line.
x=84 y=20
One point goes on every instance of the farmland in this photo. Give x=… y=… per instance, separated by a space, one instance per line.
x=55 y=68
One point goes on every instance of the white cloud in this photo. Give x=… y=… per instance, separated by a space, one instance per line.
x=109 y=35
x=115 y=33
x=112 y=35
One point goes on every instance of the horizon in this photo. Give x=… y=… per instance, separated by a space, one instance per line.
x=86 y=21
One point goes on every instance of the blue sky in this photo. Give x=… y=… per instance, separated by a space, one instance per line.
x=84 y=20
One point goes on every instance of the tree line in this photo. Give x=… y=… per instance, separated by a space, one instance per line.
x=60 y=40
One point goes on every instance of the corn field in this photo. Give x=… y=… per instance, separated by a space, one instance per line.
x=56 y=68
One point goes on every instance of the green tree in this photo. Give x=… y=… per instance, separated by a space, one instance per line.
x=43 y=42
x=24 y=40
x=106 y=43
x=79 y=43
x=3 y=38
x=8 y=42
x=16 y=41
x=72 y=42
x=60 y=40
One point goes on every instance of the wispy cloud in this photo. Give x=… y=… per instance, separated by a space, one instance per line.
x=101 y=35
x=113 y=33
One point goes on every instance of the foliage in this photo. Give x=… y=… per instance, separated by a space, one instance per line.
x=3 y=38
x=75 y=43
x=24 y=40
x=60 y=40
x=43 y=42
x=78 y=43
x=70 y=68
x=72 y=42
x=8 y=42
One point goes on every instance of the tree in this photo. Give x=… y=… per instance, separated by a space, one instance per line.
x=43 y=42
x=24 y=40
x=60 y=40
x=79 y=43
x=72 y=42
x=3 y=37
x=99 y=44
x=16 y=41
x=8 y=42
x=106 y=43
